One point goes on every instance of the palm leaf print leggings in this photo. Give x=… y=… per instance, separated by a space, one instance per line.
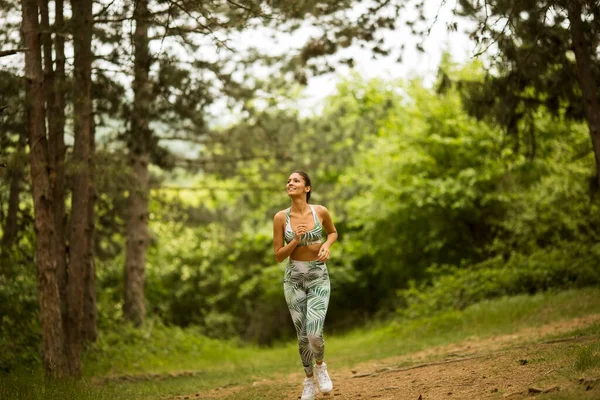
x=306 y=288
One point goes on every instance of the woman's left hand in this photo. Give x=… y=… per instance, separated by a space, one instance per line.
x=324 y=253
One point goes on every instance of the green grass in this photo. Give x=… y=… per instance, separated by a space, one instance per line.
x=573 y=362
x=588 y=357
x=218 y=363
x=33 y=387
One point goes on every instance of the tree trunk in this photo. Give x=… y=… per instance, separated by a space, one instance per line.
x=139 y=144
x=54 y=361
x=79 y=245
x=89 y=326
x=589 y=90
x=56 y=143
x=56 y=139
x=15 y=173
x=11 y=224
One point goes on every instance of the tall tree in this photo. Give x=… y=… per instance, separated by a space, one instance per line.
x=139 y=158
x=176 y=97
x=55 y=117
x=56 y=141
x=89 y=323
x=55 y=363
x=584 y=40
x=80 y=248
x=547 y=57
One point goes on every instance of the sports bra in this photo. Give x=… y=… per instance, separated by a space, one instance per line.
x=314 y=236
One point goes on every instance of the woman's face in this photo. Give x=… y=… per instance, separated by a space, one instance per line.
x=296 y=185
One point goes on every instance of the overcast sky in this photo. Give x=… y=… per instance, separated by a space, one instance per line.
x=414 y=63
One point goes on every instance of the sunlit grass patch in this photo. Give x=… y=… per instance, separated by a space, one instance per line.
x=34 y=387
x=588 y=357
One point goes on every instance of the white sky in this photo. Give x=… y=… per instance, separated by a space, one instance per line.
x=414 y=63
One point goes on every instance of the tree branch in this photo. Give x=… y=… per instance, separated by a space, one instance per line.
x=182 y=139
x=105 y=9
x=495 y=39
x=221 y=188
x=110 y=20
x=4 y=53
x=232 y=160
x=240 y=5
x=437 y=15
x=197 y=21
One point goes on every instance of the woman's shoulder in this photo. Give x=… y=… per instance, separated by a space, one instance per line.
x=319 y=209
x=280 y=214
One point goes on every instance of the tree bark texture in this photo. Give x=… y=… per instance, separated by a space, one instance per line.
x=139 y=144
x=55 y=110
x=589 y=89
x=79 y=244
x=54 y=361
x=89 y=325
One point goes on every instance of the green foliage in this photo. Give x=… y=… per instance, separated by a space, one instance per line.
x=438 y=187
x=428 y=201
x=456 y=288
x=20 y=334
x=34 y=387
x=123 y=347
x=535 y=65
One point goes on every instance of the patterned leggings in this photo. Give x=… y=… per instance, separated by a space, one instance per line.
x=306 y=288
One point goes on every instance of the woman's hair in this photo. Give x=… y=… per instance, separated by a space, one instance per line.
x=304 y=176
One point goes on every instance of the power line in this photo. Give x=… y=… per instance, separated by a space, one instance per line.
x=221 y=188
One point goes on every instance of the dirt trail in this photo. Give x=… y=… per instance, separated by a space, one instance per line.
x=515 y=366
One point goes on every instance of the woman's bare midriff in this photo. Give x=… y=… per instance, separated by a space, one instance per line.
x=306 y=253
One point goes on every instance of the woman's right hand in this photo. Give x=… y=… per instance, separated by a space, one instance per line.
x=300 y=231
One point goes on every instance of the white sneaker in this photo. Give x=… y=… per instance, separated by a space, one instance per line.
x=325 y=384
x=310 y=389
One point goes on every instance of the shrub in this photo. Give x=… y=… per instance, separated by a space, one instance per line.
x=573 y=265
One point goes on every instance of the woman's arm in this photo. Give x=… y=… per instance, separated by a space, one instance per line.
x=283 y=251
x=331 y=234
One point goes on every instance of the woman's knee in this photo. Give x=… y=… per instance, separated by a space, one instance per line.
x=316 y=341
x=303 y=341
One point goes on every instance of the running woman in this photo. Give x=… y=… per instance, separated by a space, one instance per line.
x=304 y=233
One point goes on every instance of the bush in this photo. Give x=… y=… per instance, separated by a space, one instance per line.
x=20 y=334
x=571 y=266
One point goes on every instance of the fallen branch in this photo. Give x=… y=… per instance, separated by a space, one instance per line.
x=4 y=53
x=569 y=339
x=387 y=370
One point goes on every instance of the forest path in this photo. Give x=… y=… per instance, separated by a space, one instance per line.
x=525 y=364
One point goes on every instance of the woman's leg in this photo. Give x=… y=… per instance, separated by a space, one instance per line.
x=316 y=310
x=296 y=299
